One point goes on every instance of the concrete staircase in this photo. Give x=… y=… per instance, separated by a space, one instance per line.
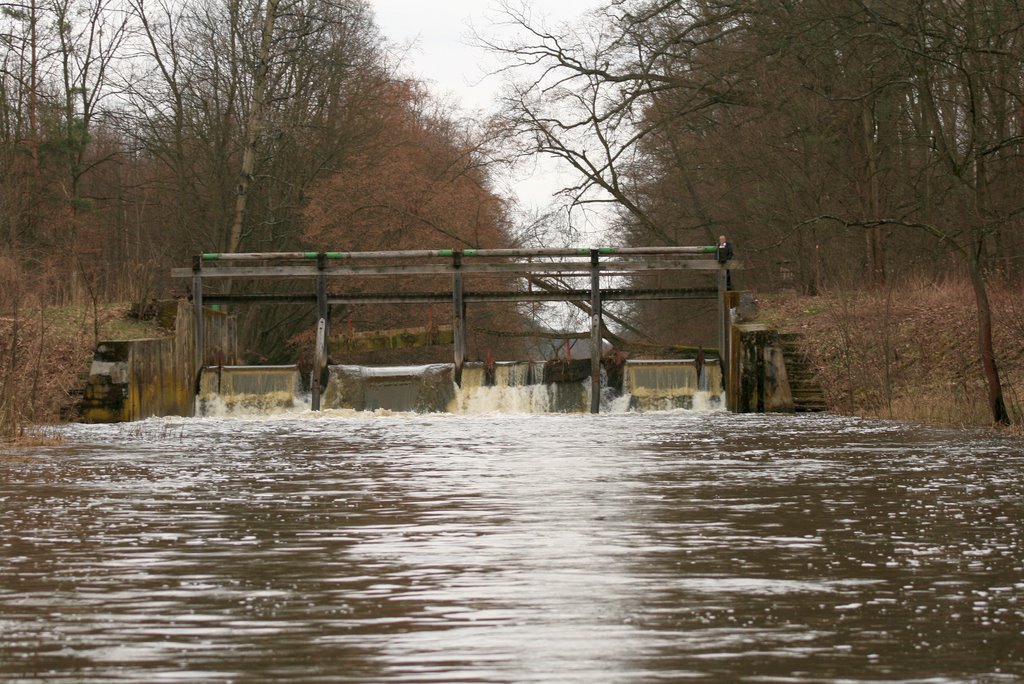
x=807 y=393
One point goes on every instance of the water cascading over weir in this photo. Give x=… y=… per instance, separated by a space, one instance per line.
x=510 y=387
x=249 y=389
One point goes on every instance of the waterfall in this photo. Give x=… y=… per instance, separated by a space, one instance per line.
x=518 y=388
x=505 y=387
x=245 y=390
x=673 y=384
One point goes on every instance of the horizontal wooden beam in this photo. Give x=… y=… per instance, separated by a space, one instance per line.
x=613 y=294
x=609 y=268
x=450 y=253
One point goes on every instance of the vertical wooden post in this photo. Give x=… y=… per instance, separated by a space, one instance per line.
x=734 y=388
x=320 y=353
x=723 y=325
x=458 y=317
x=319 y=363
x=197 y=309
x=595 y=333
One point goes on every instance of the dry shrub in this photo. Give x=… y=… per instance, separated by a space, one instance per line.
x=1008 y=315
x=8 y=273
x=909 y=352
x=40 y=365
x=941 y=408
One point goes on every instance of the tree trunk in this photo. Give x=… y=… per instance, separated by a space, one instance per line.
x=256 y=120
x=876 y=254
x=988 y=358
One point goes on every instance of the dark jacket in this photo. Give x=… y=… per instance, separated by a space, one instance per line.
x=724 y=252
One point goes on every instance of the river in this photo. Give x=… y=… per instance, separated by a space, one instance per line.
x=671 y=546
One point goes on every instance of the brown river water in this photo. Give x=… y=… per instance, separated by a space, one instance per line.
x=671 y=546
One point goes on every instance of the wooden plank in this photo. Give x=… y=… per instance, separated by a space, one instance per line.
x=618 y=294
x=199 y=338
x=323 y=321
x=723 y=326
x=310 y=271
x=459 y=325
x=595 y=333
x=583 y=252
x=319 y=362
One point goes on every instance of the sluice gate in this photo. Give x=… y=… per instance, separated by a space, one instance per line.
x=661 y=385
x=248 y=389
x=422 y=389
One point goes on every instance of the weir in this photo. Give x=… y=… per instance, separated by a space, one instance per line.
x=545 y=274
x=188 y=374
x=662 y=385
x=510 y=387
x=423 y=389
x=248 y=389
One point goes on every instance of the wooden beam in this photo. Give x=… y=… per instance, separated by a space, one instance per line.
x=323 y=322
x=197 y=312
x=723 y=325
x=618 y=294
x=433 y=253
x=595 y=332
x=458 y=318
x=303 y=271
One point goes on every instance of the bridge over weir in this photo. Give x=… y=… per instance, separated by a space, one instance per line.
x=530 y=269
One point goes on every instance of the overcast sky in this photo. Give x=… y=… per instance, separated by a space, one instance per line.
x=439 y=33
x=440 y=53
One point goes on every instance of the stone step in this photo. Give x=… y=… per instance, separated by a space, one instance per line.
x=807 y=393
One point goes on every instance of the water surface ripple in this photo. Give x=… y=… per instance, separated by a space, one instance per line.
x=504 y=548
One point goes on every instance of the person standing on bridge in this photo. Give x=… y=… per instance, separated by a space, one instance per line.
x=724 y=254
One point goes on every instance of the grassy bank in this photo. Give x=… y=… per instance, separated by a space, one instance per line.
x=44 y=354
x=909 y=352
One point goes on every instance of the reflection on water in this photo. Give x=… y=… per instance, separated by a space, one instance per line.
x=368 y=548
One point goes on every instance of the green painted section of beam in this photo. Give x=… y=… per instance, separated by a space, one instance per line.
x=445 y=252
x=469 y=252
x=210 y=256
x=599 y=250
x=310 y=255
x=711 y=249
x=335 y=255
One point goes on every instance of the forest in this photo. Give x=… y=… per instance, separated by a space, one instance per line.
x=843 y=145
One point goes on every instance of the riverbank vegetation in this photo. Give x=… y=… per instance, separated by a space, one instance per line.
x=46 y=354
x=907 y=352
x=853 y=152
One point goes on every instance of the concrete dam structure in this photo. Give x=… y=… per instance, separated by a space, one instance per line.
x=132 y=380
